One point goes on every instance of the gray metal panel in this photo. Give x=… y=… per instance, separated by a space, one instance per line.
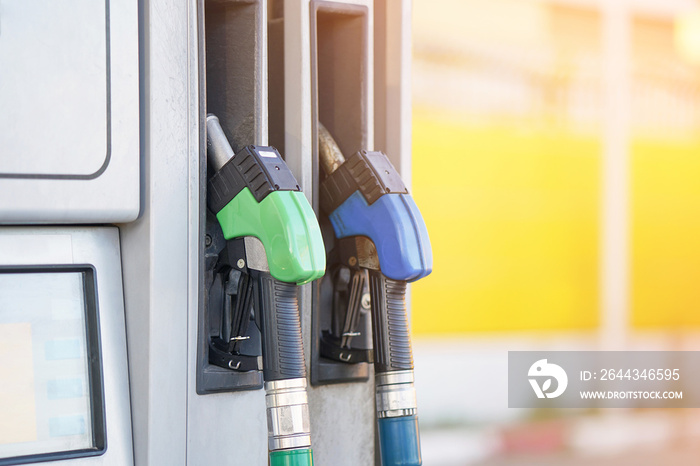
x=98 y=246
x=392 y=83
x=56 y=89
x=69 y=94
x=155 y=248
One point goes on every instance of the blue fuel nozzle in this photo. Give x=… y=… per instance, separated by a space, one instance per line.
x=380 y=233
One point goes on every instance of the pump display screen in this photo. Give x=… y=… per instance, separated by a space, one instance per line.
x=51 y=400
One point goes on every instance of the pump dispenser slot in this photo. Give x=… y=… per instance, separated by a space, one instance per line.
x=235 y=69
x=339 y=63
x=234 y=82
x=340 y=93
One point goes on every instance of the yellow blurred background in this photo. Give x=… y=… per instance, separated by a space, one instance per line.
x=507 y=164
x=556 y=158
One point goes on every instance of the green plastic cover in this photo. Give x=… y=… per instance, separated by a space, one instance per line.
x=300 y=457
x=286 y=225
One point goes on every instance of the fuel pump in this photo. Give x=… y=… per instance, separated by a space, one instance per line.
x=273 y=244
x=380 y=238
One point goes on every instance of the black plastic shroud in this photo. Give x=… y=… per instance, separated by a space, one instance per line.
x=278 y=317
x=369 y=172
x=259 y=168
x=392 y=339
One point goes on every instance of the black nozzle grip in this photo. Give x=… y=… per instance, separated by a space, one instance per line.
x=392 y=339
x=277 y=308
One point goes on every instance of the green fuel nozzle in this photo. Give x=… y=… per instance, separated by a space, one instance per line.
x=274 y=244
x=255 y=194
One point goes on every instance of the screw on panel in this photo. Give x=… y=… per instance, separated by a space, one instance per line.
x=366 y=301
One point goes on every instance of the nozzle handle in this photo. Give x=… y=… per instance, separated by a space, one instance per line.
x=278 y=317
x=392 y=339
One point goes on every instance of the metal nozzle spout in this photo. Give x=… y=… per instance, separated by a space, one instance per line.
x=219 y=151
x=329 y=153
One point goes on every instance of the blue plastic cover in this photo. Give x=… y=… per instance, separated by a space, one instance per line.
x=396 y=228
x=399 y=443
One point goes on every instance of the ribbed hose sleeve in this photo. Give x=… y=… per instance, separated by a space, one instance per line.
x=392 y=340
x=278 y=307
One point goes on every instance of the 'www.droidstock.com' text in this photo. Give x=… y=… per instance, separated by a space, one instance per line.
x=631 y=395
